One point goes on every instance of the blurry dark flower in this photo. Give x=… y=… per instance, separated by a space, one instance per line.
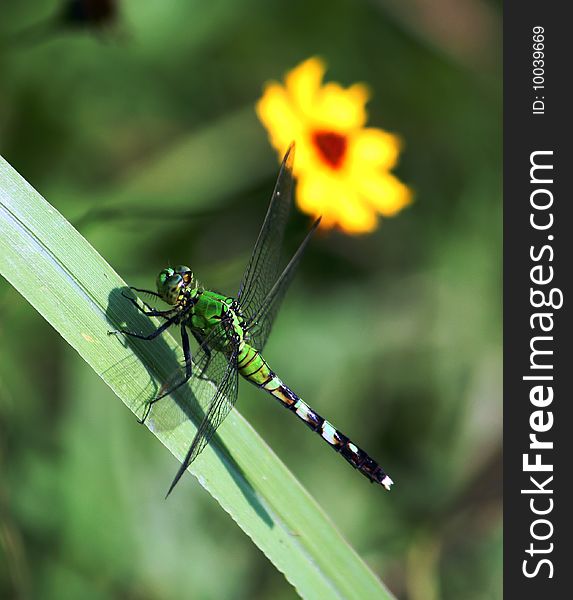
x=74 y=14
x=95 y=13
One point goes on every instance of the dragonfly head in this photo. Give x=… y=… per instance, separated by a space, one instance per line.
x=171 y=282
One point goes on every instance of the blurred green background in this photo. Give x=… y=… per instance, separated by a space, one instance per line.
x=143 y=134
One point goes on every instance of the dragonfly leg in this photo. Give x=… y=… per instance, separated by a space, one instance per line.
x=151 y=336
x=167 y=389
x=186 y=353
x=150 y=312
x=145 y=291
x=201 y=341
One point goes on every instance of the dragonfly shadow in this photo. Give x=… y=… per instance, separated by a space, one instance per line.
x=160 y=360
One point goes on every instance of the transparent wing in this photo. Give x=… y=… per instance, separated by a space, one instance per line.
x=261 y=323
x=263 y=268
x=215 y=376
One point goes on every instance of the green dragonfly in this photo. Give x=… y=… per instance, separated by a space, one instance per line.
x=231 y=333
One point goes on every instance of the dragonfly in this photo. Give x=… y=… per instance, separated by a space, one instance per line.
x=231 y=333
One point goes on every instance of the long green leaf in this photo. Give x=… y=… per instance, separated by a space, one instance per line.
x=79 y=294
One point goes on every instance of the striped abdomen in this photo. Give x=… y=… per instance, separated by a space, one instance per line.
x=255 y=369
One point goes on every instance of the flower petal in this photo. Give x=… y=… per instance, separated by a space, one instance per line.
x=341 y=109
x=384 y=192
x=320 y=194
x=374 y=148
x=303 y=84
x=276 y=113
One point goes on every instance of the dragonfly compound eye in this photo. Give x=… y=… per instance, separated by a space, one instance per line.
x=185 y=273
x=169 y=283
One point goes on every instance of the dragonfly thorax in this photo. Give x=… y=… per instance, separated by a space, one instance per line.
x=173 y=283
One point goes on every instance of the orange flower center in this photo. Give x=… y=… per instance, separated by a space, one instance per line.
x=331 y=146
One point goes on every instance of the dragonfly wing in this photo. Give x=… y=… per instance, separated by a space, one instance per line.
x=261 y=323
x=263 y=268
x=200 y=363
x=216 y=376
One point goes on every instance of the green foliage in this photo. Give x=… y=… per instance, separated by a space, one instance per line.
x=145 y=139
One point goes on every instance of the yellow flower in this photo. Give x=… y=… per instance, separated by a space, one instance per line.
x=342 y=167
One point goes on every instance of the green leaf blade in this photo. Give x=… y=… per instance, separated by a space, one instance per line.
x=78 y=293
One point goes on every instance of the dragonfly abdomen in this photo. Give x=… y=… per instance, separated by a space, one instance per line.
x=255 y=369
